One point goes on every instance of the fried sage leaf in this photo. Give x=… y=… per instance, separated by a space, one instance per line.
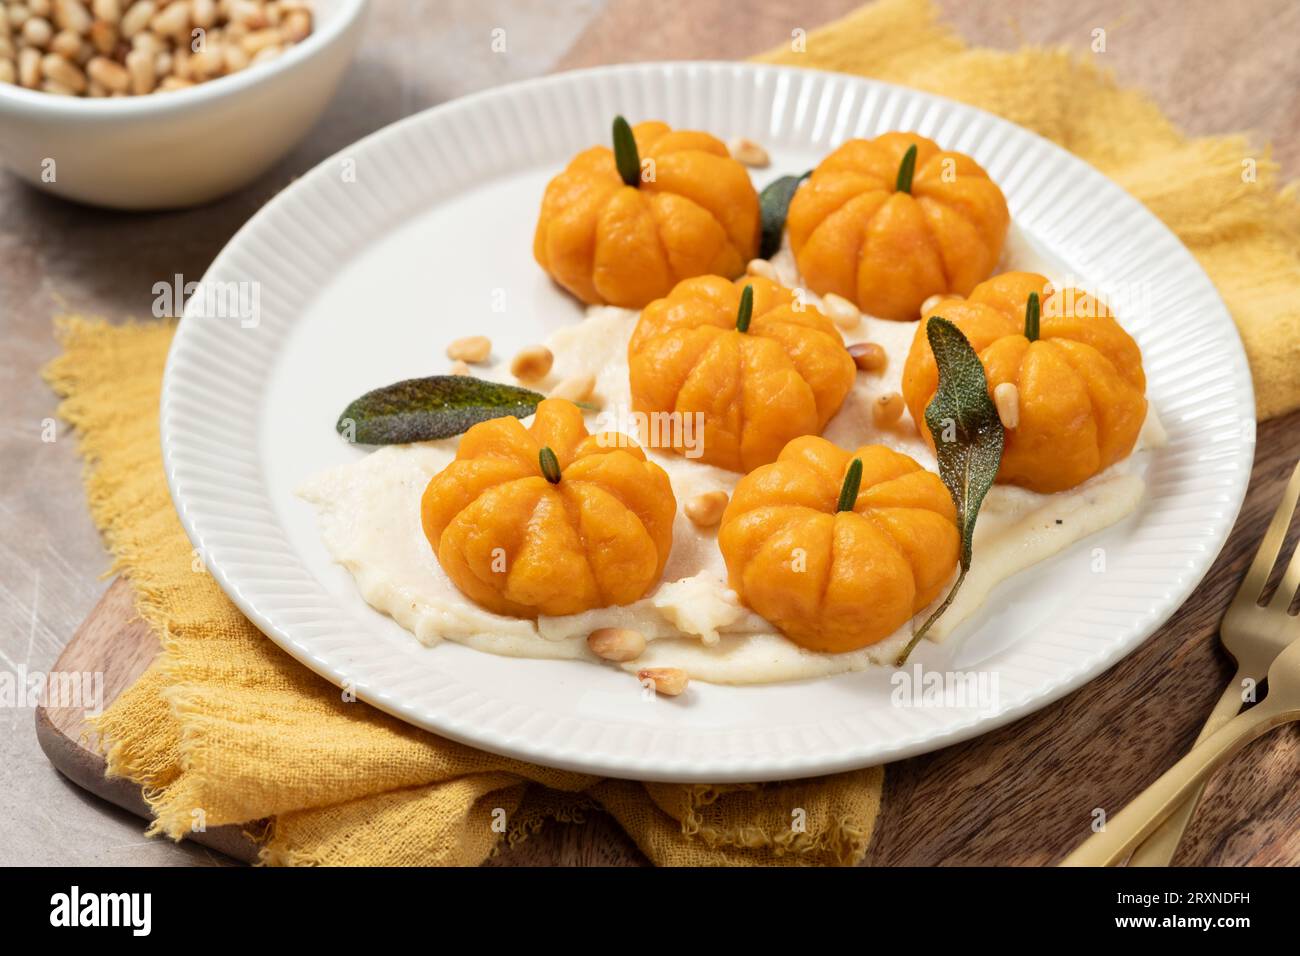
x=425 y=409
x=773 y=204
x=968 y=439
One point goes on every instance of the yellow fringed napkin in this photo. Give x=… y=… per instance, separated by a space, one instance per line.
x=225 y=728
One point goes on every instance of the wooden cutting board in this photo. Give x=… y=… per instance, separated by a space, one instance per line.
x=1023 y=794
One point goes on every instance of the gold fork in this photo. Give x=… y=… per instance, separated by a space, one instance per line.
x=1263 y=640
x=1253 y=636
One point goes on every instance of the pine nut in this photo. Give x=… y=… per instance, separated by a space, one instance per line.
x=928 y=305
x=41 y=8
x=109 y=11
x=297 y=26
x=37 y=32
x=841 y=311
x=459 y=368
x=868 y=356
x=532 y=363
x=29 y=67
x=137 y=17
x=8 y=73
x=616 y=643
x=104 y=37
x=748 y=153
x=260 y=40
x=18 y=15
x=236 y=58
x=887 y=410
x=72 y=15
x=577 y=388
x=705 y=510
x=149 y=41
x=762 y=268
x=266 y=53
x=172 y=21
x=174 y=83
x=1007 y=398
x=249 y=14
x=66 y=44
x=58 y=89
x=181 y=64
x=473 y=348
x=669 y=681
x=140 y=64
x=63 y=72
x=210 y=61
x=203 y=13
x=109 y=74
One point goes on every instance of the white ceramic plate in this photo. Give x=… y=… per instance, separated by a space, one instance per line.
x=366 y=268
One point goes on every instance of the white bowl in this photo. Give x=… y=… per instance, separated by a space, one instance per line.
x=185 y=147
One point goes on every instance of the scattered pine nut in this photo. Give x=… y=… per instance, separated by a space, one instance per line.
x=705 y=510
x=887 y=409
x=761 y=268
x=616 y=643
x=577 y=388
x=669 y=681
x=1007 y=398
x=748 y=153
x=841 y=311
x=459 y=368
x=472 y=348
x=868 y=356
x=532 y=363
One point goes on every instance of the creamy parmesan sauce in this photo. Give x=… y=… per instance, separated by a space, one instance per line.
x=369 y=514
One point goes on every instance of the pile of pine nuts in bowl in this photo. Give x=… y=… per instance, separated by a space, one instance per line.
x=147 y=104
x=105 y=48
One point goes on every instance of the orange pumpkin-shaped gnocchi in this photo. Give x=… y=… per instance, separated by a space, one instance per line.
x=758 y=366
x=836 y=555
x=549 y=519
x=891 y=221
x=623 y=230
x=1078 y=375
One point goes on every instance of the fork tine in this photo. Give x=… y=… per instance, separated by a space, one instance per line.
x=1252 y=586
x=1290 y=583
